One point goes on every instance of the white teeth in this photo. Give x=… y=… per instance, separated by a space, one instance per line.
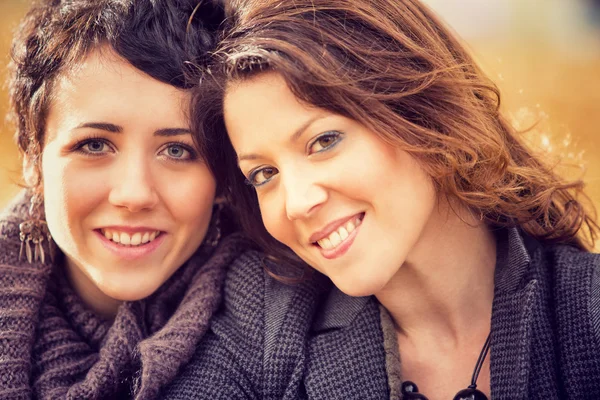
x=335 y=239
x=326 y=244
x=136 y=239
x=341 y=234
x=350 y=226
x=126 y=239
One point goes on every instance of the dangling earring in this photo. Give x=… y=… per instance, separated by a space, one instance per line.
x=33 y=232
x=215 y=236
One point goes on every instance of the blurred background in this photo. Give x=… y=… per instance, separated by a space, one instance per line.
x=543 y=54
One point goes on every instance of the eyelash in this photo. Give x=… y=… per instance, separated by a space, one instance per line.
x=80 y=148
x=329 y=134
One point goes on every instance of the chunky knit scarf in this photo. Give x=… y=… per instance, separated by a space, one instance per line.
x=52 y=346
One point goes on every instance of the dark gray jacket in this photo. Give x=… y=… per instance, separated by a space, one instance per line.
x=272 y=341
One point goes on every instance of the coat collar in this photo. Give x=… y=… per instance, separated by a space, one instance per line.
x=516 y=294
x=339 y=310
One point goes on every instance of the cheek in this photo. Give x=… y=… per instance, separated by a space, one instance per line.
x=407 y=195
x=71 y=192
x=190 y=196
x=274 y=218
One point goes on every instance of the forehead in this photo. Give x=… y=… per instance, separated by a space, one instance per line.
x=262 y=104
x=105 y=87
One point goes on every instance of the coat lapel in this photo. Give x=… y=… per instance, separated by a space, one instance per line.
x=346 y=353
x=516 y=294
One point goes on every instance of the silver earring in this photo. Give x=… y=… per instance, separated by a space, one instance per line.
x=33 y=233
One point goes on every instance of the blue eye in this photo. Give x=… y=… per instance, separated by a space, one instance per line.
x=324 y=142
x=179 y=152
x=261 y=176
x=92 y=147
x=176 y=151
x=95 y=146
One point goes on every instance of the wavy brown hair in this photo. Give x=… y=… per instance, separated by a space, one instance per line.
x=394 y=67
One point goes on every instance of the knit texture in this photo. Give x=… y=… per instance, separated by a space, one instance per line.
x=53 y=346
x=310 y=341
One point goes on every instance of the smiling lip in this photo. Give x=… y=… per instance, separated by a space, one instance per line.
x=342 y=248
x=130 y=252
x=330 y=228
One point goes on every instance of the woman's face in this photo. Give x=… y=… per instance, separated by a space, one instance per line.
x=127 y=197
x=350 y=205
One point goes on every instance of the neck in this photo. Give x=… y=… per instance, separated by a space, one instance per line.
x=89 y=293
x=444 y=290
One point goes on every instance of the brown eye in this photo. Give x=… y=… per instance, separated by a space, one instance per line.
x=268 y=173
x=262 y=176
x=325 y=142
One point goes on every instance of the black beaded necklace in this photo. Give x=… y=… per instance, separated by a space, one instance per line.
x=410 y=391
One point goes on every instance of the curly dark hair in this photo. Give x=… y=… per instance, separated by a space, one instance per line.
x=394 y=67
x=166 y=39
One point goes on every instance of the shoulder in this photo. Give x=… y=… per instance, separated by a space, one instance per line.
x=259 y=319
x=245 y=280
x=570 y=268
x=577 y=275
x=573 y=277
x=250 y=289
x=573 y=293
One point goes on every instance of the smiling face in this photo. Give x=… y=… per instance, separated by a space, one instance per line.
x=127 y=197
x=350 y=205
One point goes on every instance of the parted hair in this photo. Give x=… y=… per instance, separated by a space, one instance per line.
x=166 y=39
x=394 y=67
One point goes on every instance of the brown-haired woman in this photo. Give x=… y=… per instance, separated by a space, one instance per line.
x=112 y=261
x=373 y=149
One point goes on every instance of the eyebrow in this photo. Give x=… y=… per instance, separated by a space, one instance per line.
x=295 y=136
x=104 y=126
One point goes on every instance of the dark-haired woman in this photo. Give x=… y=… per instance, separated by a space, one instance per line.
x=451 y=262
x=112 y=260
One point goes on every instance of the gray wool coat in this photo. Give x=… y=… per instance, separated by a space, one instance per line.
x=310 y=341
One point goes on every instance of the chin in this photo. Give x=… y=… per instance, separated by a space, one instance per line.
x=132 y=292
x=357 y=287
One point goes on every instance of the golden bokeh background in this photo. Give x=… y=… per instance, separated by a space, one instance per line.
x=543 y=54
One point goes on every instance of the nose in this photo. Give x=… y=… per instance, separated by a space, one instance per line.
x=133 y=185
x=303 y=195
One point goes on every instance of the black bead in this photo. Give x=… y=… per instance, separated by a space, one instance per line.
x=470 y=394
x=410 y=391
x=409 y=387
